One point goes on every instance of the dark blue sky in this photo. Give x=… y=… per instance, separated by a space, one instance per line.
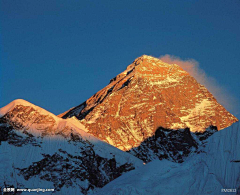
x=57 y=53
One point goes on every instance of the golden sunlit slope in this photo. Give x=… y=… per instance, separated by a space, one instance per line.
x=149 y=94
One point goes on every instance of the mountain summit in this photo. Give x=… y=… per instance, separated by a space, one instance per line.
x=147 y=95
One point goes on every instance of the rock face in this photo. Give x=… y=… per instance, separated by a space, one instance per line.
x=166 y=144
x=173 y=145
x=41 y=150
x=149 y=94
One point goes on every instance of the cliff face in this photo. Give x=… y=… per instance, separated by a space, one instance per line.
x=147 y=95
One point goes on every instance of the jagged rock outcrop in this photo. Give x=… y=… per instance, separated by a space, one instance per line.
x=173 y=145
x=147 y=95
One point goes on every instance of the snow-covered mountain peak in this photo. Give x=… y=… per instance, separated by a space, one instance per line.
x=25 y=116
x=55 y=153
x=28 y=107
x=14 y=103
x=151 y=67
x=149 y=94
x=29 y=119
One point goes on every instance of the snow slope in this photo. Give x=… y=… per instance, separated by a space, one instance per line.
x=41 y=150
x=216 y=168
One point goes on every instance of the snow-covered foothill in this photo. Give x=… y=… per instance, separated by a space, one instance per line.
x=214 y=170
